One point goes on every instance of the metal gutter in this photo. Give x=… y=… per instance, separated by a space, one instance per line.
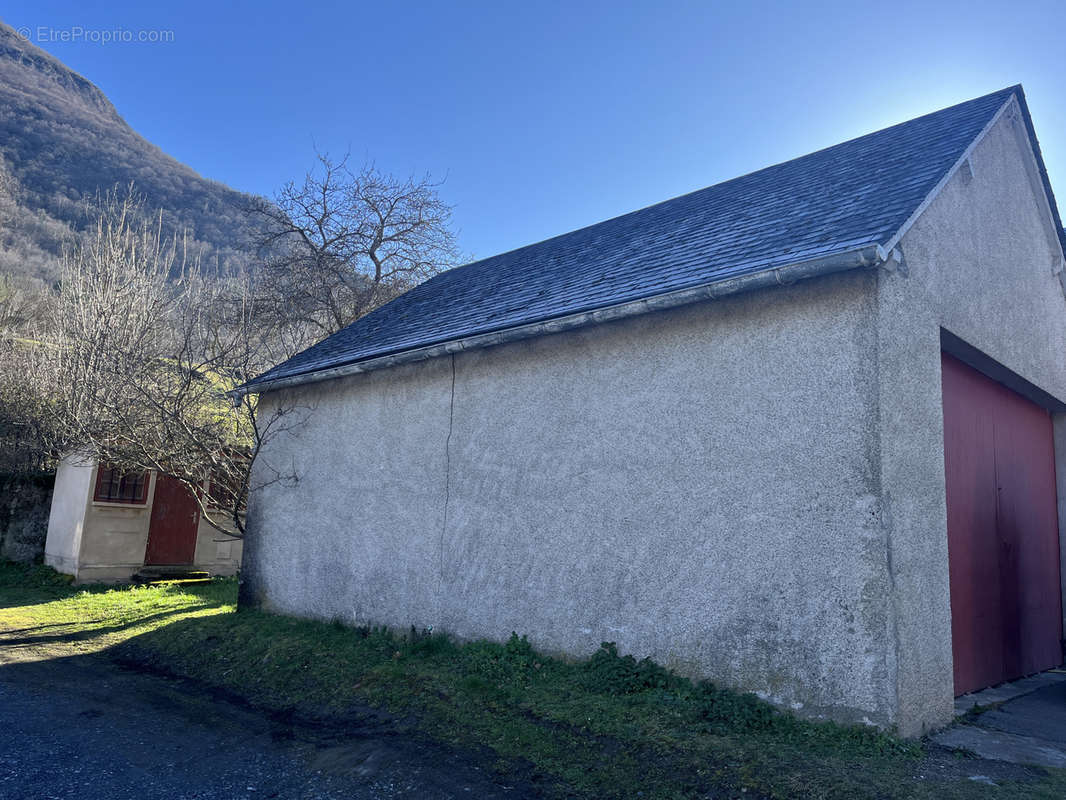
x=868 y=256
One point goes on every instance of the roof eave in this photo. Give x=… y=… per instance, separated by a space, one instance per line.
x=869 y=255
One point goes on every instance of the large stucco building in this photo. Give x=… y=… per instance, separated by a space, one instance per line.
x=713 y=431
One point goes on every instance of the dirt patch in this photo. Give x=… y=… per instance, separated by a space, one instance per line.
x=944 y=764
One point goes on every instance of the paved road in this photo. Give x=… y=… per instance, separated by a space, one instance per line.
x=80 y=727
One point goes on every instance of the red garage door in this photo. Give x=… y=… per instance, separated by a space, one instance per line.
x=1003 y=532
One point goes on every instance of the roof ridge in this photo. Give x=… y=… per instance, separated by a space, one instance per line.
x=742 y=176
x=815 y=206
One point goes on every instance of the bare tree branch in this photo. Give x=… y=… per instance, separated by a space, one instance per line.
x=344 y=242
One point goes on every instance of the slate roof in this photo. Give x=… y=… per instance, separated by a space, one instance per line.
x=835 y=200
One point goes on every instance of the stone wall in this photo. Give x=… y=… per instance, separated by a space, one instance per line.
x=24 y=505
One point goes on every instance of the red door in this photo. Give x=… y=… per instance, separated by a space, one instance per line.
x=172 y=529
x=1003 y=531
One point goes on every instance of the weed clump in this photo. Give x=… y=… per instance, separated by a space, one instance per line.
x=722 y=709
x=606 y=672
x=513 y=662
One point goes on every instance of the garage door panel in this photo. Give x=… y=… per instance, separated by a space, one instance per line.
x=1028 y=523
x=971 y=482
x=1002 y=530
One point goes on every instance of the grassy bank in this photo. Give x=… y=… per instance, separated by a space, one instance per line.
x=608 y=726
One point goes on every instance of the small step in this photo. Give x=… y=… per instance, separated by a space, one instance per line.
x=177 y=575
x=169 y=581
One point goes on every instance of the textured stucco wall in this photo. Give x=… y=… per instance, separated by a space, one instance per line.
x=980 y=263
x=699 y=486
x=215 y=551
x=67 y=514
x=114 y=538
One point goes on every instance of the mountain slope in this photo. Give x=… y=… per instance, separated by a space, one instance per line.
x=62 y=142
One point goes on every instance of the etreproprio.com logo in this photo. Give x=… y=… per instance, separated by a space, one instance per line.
x=44 y=34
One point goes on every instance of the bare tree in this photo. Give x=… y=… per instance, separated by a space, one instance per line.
x=345 y=241
x=21 y=303
x=142 y=350
x=25 y=416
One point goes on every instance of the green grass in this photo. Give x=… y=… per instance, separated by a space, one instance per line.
x=608 y=726
x=47 y=613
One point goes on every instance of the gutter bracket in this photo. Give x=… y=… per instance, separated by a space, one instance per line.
x=784 y=277
x=1058 y=269
x=892 y=261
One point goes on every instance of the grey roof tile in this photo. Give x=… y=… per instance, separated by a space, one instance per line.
x=854 y=194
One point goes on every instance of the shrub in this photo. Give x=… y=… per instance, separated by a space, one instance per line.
x=608 y=673
x=722 y=708
x=512 y=662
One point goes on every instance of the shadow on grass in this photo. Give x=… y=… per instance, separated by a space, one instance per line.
x=34 y=584
x=608 y=726
x=45 y=626
x=82 y=635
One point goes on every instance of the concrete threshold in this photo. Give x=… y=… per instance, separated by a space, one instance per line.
x=1022 y=722
x=1002 y=746
x=996 y=695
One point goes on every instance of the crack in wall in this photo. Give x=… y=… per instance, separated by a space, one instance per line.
x=447 y=481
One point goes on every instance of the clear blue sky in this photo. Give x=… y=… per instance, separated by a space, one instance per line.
x=549 y=116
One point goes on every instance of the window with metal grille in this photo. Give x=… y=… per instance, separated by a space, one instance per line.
x=118 y=486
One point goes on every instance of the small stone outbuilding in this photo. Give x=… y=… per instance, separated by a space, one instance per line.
x=801 y=432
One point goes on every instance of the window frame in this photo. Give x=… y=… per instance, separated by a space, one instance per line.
x=140 y=497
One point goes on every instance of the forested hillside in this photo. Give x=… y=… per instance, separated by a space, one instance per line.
x=101 y=330
x=62 y=142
